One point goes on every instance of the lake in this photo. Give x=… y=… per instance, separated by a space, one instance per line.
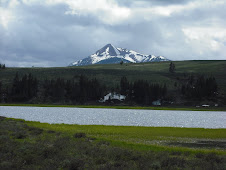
x=122 y=117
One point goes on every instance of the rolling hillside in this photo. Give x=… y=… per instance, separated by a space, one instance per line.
x=110 y=74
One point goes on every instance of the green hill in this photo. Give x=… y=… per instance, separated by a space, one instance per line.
x=110 y=74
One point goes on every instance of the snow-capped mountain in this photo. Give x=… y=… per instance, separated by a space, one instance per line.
x=110 y=54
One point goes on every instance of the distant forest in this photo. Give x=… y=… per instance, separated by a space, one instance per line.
x=28 y=89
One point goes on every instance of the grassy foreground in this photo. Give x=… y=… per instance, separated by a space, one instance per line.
x=34 y=145
x=122 y=107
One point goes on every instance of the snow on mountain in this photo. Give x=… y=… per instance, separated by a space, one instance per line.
x=110 y=54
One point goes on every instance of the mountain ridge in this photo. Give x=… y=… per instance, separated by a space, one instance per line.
x=110 y=54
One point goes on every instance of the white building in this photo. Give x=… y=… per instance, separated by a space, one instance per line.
x=113 y=96
x=156 y=103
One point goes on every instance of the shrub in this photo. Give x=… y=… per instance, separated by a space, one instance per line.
x=20 y=134
x=200 y=155
x=50 y=131
x=106 y=143
x=75 y=164
x=35 y=131
x=79 y=135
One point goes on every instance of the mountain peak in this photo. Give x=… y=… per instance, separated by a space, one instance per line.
x=108 y=49
x=109 y=45
x=109 y=55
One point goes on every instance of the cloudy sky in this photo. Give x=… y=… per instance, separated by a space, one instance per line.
x=58 y=32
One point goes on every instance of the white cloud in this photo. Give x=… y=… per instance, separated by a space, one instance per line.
x=6 y=17
x=107 y=11
x=211 y=38
x=56 y=32
x=148 y=11
x=6 y=12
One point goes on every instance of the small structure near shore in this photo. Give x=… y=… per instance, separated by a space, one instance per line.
x=156 y=103
x=112 y=96
x=205 y=105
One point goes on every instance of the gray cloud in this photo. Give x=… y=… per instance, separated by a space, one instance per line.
x=58 y=33
x=152 y=2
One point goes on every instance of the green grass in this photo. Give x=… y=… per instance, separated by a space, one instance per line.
x=34 y=145
x=139 y=137
x=121 y=107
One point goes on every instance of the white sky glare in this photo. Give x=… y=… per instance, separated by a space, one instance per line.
x=58 y=32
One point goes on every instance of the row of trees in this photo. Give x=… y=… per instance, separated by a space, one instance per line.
x=81 y=91
x=84 y=90
x=2 y=66
x=199 y=87
x=142 y=91
x=70 y=91
x=28 y=88
x=1 y=92
x=24 y=89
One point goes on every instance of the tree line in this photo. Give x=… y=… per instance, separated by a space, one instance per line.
x=200 y=87
x=2 y=66
x=23 y=89
x=72 y=92
x=28 y=88
x=1 y=92
x=141 y=91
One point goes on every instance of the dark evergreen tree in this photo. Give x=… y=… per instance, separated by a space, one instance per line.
x=183 y=89
x=68 y=90
x=140 y=89
x=83 y=86
x=200 y=88
x=171 y=68
x=15 y=92
x=24 y=89
x=46 y=93
x=164 y=90
x=143 y=92
x=81 y=92
x=6 y=95
x=59 y=90
x=1 y=92
x=95 y=90
x=75 y=92
x=124 y=86
x=2 y=66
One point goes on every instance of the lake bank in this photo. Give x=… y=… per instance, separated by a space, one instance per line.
x=122 y=107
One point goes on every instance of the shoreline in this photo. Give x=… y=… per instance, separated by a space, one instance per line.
x=120 y=107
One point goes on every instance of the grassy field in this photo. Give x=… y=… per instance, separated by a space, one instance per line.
x=111 y=74
x=139 y=137
x=34 y=145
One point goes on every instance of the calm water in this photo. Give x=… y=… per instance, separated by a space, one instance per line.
x=91 y=116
